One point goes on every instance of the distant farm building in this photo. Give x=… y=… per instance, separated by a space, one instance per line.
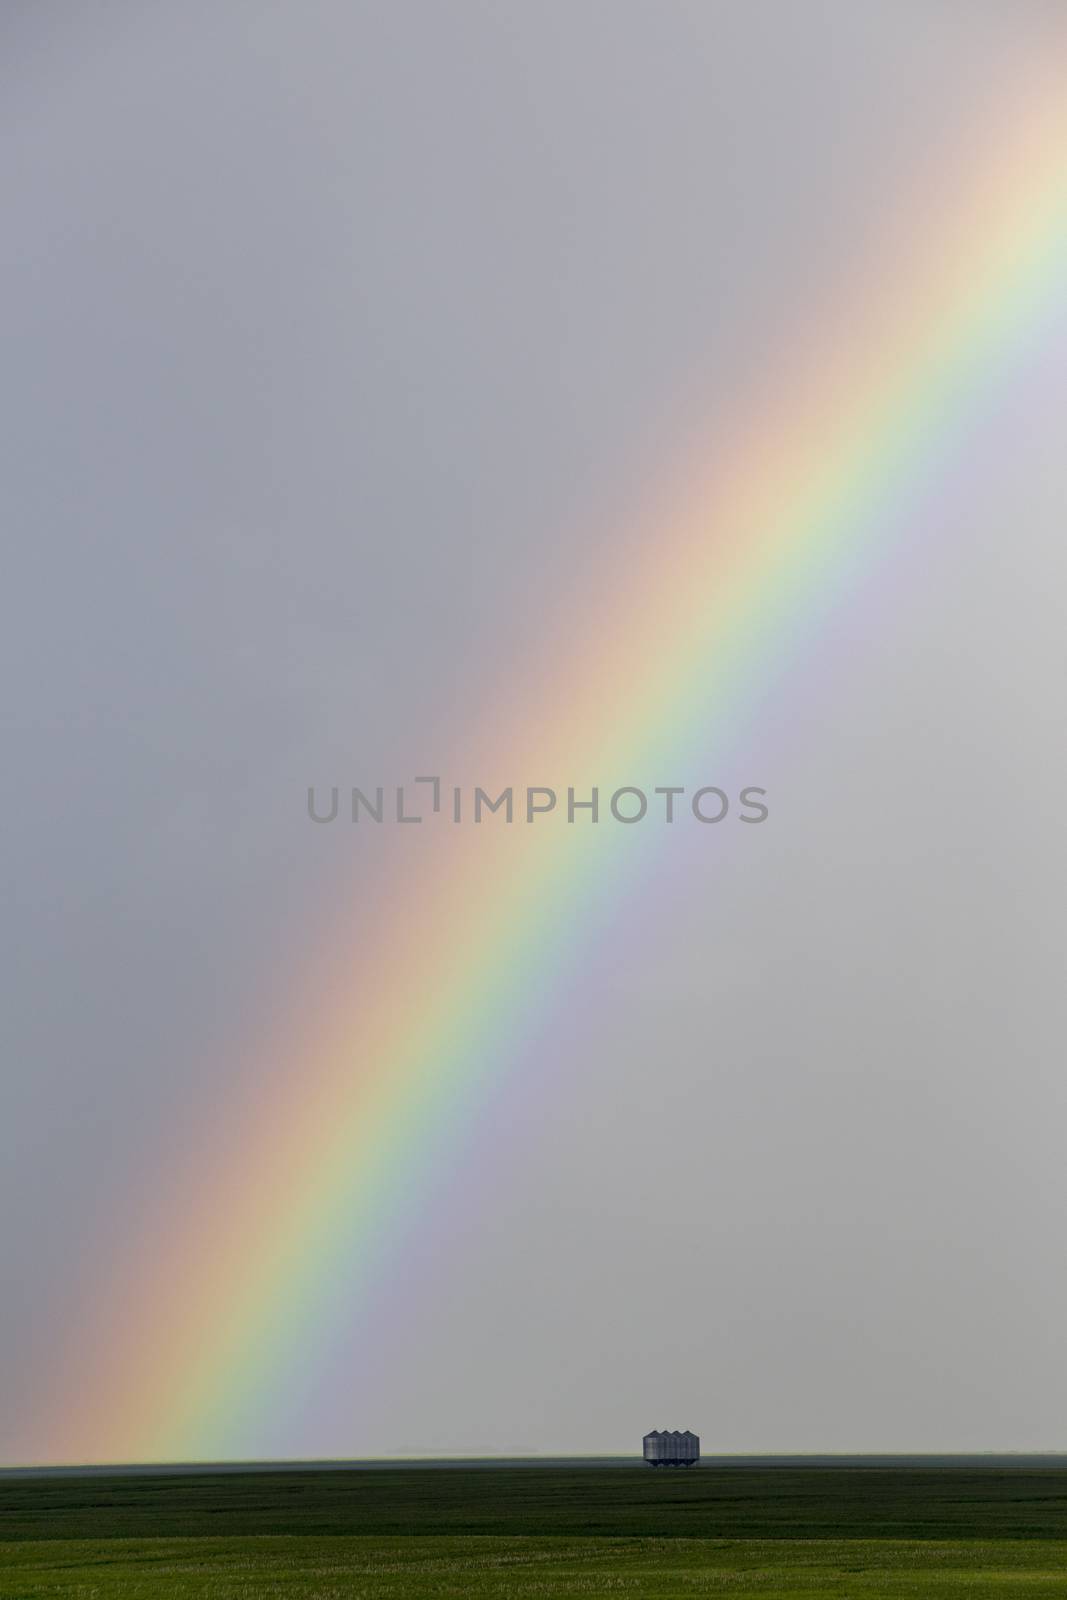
x=671 y=1449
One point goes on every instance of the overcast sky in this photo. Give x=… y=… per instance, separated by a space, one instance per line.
x=340 y=342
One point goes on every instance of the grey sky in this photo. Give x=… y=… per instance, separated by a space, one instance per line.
x=340 y=340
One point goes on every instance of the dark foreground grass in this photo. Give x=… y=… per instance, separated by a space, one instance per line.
x=841 y=1529
x=420 y=1568
x=906 y=1500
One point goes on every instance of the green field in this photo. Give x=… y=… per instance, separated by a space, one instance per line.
x=841 y=1529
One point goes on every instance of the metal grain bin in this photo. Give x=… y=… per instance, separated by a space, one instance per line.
x=671 y=1449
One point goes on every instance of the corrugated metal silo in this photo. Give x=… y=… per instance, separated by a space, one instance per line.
x=671 y=1448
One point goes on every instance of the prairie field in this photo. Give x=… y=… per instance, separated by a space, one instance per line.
x=839 y=1529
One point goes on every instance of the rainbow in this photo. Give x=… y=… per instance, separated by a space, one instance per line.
x=322 y=1173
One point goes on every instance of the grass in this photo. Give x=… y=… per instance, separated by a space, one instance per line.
x=835 y=1530
x=418 y=1568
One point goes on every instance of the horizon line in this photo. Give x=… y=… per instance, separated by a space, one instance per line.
x=529 y=1458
